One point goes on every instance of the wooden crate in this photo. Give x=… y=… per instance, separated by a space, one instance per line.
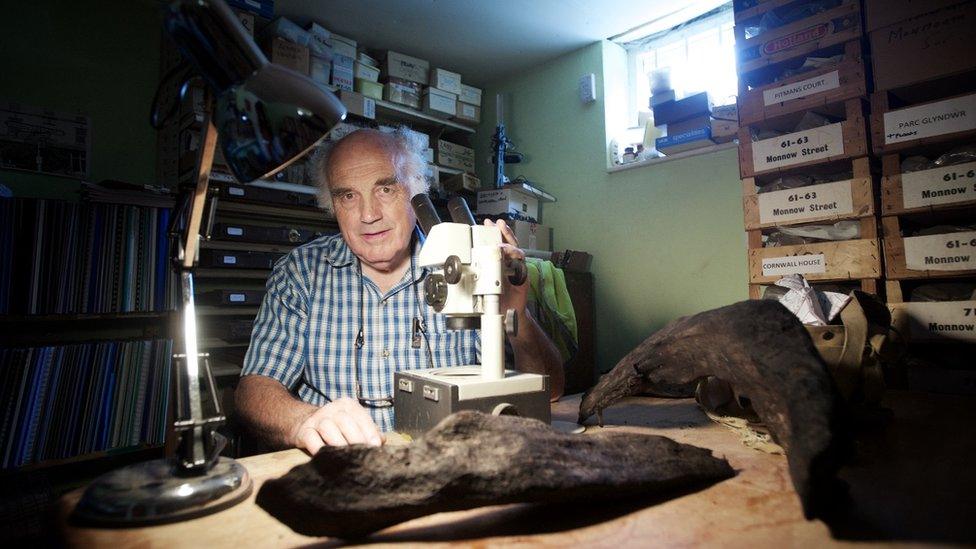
x=799 y=38
x=869 y=285
x=948 y=255
x=913 y=118
x=805 y=91
x=794 y=151
x=931 y=321
x=937 y=189
x=849 y=199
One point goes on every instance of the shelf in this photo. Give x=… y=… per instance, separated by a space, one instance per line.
x=686 y=154
x=281 y=212
x=129 y=453
x=257 y=274
x=245 y=246
x=209 y=343
x=388 y=111
x=41 y=330
x=213 y=310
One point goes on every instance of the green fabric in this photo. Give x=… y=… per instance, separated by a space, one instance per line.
x=551 y=297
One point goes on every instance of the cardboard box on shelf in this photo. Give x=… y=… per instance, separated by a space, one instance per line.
x=342 y=72
x=445 y=80
x=404 y=92
x=320 y=69
x=724 y=131
x=342 y=45
x=369 y=88
x=289 y=54
x=682 y=109
x=358 y=104
x=367 y=72
x=439 y=103
x=453 y=161
x=447 y=147
x=726 y=112
x=398 y=65
x=687 y=141
x=320 y=40
x=689 y=124
x=367 y=59
x=282 y=27
x=461 y=181
x=470 y=95
x=468 y=113
x=508 y=201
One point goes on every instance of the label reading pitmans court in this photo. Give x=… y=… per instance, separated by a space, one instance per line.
x=810 y=202
x=794 y=264
x=943 y=320
x=941 y=252
x=803 y=88
x=939 y=118
x=946 y=185
x=798 y=147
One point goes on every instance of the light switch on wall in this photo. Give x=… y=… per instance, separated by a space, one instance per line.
x=587 y=88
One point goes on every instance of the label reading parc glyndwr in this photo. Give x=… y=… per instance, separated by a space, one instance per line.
x=798 y=147
x=806 y=202
x=794 y=264
x=939 y=118
x=803 y=88
x=942 y=320
x=941 y=252
x=946 y=185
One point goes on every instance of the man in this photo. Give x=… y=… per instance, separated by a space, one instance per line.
x=340 y=312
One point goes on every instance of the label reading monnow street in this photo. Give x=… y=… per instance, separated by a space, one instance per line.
x=945 y=185
x=803 y=88
x=794 y=264
x=942 y=320
x=941 y=252
x=939 y=118
x=810 y=202
x=798 y=147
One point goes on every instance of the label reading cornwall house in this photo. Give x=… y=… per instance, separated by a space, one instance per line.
x=942 y=320
x=794 y=264
x=803 y=88
x=946 y=185
x=948 y=116
x=941 y=252
x=815 y=201
x=798 y=147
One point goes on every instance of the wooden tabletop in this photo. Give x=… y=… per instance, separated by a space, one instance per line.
x=757 y=507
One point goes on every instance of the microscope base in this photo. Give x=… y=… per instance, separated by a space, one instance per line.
x=424 y=397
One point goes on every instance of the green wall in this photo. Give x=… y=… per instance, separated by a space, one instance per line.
x=100 y=59
x=667 y=239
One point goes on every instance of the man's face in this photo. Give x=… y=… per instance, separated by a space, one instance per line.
x=372 y=208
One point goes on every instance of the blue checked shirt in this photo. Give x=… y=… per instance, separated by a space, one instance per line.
x=310 y=317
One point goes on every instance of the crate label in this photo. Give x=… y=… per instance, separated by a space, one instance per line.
x=941 y=320
x=945 y=185
x=235 y=191
x=235 y=231
x=941 y=252
x=803 y=88
x=794 y=264
x=237 y=298
x=948 y=116
x=806 y=202
x=230 y=260
x=798 y=147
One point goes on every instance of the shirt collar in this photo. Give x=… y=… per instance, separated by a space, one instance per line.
x=340 y=254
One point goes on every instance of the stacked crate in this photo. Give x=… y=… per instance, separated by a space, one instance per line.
x=924 y=106
x=772 y=102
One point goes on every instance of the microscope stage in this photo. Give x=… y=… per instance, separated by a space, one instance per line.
x=471 y=385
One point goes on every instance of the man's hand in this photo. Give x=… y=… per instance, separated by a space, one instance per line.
x=338 y=423
x=513 y=297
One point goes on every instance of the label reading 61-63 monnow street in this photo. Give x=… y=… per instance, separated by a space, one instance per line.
x=941 y=252
x=812 y=202
x=798 y=147
x=946 y=185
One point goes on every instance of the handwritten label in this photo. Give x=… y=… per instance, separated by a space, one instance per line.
x=941 y=252
x=803 y=88
x=939 y=118
x=942 y=320
x=798 y=147
x=814 y=201
x=945 y=185
x=794 y=264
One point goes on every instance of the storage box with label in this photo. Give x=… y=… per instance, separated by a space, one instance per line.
x=282 y=27
x=453 y=161
x=445 y=80
x=369 y=88
x=944 y=254
x=320 y=40
x=508 y=201
x=447 y=147
x=468 y=114
x=342 y=45
x=404 y=92
x=689 y=125
x=398 y=65
x=358 y=104
x=470 y=95
x=439 y=103
x=942 y=188
x=461 y=181
x=342 y=72
x=925 y=123
x=687 y=141
x=289 y=54
x=367 y=72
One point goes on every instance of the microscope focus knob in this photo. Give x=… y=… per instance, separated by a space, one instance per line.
x=452 y=269
x=511 y=323
x=435 y=291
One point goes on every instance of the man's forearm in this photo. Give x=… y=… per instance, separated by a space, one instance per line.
x=536 y=353
x=269 y=410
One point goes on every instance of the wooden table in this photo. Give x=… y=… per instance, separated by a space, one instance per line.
x=757 y=507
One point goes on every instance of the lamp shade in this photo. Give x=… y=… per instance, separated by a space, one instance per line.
x=266 y=115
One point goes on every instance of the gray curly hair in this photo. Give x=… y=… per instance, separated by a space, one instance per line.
x=406 y=152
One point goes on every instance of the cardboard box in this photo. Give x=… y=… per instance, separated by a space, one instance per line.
x=683 y=109
x=508 y=201
x=283 y=27
x=445 y=80
x=367 y=72
x=358 y=104
x=453 y=161
x=320 y=40
x=398 y=65
x=461 y=181
x=369 y=88
x=439 y=103
x=724 y=131
x=882 y=13
x=687 y=141
x=342 y=72
x=320 y=70
x=367 y=59
x=689 y=124
x=403 y=92
x=460 y=151
x=470 y=95
x=726 y=112
x=468 y=113
x=936 y=44
x=343 y=46
x=289 y=54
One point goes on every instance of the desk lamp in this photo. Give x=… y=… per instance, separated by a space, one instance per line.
x=267 y=116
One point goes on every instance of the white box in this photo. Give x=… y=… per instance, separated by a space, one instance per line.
x=358 y=104
x=398 y=65
x=343 y=46
x=468 y=113
x=367 y=72
x=445 y=80
x=470 y=95
x=439 y=103
x=503 y=201
x=460 y=151
x=320 y=41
